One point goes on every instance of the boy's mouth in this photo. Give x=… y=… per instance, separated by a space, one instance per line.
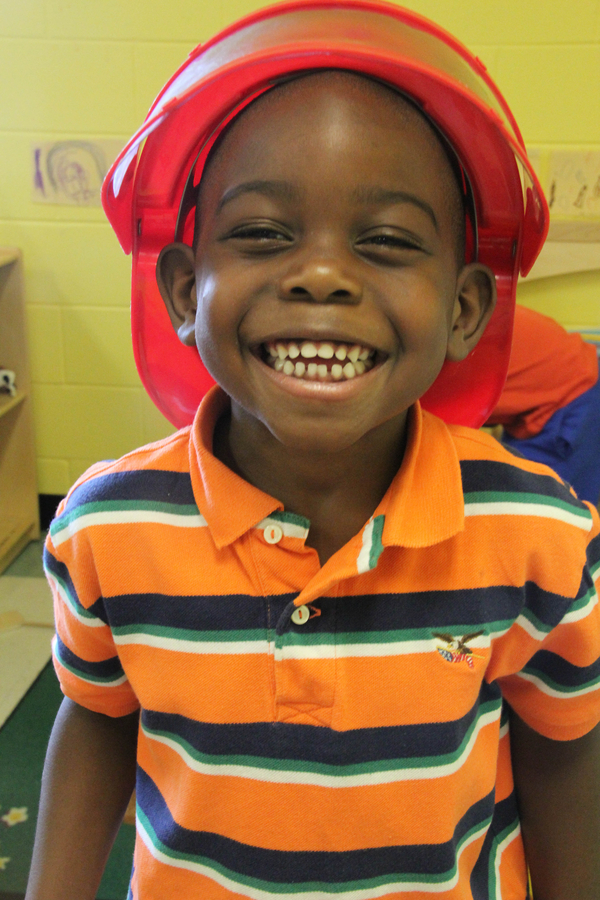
x=310 y=360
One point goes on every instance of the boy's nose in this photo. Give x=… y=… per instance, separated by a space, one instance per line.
x=320 y=281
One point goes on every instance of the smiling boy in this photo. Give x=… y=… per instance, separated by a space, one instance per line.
x=295 y=256
x=342 y=624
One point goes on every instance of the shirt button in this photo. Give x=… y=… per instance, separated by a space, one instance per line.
x=273 y=534
x=300 y=615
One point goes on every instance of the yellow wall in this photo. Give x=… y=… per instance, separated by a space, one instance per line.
x=90 y=68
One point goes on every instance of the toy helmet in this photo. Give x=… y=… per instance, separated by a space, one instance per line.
x=146 y=192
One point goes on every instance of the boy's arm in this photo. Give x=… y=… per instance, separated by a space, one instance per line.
x=558 y=790
x=88 y=779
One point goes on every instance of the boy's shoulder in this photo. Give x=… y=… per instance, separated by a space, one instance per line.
x=159 y=469
x=489 y=467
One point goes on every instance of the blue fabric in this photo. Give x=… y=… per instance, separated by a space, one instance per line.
x=569 y=443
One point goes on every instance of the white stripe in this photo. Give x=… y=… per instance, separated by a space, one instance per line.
x=541 y=510
x=126 y=517
x=499 y=851
x=579 y=614
x=237 y=887
x=362 y=562
x=384 y=648
x=91 y=621
x=199 y=648
x=530 y=628
x=552 y=692
x=289 y=528
x=292 y=776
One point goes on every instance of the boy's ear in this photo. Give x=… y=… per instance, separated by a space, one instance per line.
x=474 y=303
x=176 y=279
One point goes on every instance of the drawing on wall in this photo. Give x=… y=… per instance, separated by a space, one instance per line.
x=574 y=183
x=71 y=172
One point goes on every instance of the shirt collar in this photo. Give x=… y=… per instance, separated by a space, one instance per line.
x=423 y=506
x=230 y=505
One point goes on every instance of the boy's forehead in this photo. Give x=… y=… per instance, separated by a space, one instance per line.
x=349 y=112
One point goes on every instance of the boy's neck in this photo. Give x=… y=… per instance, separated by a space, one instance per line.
x=337 y=492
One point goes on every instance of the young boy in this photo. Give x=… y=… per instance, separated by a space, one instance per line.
x=334 y=626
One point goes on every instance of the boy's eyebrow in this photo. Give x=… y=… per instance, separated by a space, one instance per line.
x=367 y=194
x=279 y=190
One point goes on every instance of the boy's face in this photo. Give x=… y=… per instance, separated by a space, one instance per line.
x=328 y=220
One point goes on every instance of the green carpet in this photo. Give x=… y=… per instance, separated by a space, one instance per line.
x=23 y=741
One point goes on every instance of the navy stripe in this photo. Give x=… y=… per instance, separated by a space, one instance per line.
x=108 y=668
x=298 y=867
x=229 y=612
x=479 y=475
x=506 y=816
x=60 y=571
x=420 y=612
x=593 y=551
x=549 y=666
x=149 y=484
x=311 y=743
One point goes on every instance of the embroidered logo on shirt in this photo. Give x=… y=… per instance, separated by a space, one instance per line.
x=455 y=650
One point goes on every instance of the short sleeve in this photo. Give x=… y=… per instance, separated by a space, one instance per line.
x=556 y=690
x=84 y=653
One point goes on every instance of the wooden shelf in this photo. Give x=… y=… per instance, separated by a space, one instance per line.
x=19 y=518
x=7 y=402
x=8 y=255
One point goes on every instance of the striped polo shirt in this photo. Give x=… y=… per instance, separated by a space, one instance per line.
x=311 y=731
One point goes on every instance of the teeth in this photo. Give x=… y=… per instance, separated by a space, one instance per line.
x=325 y=351
x=308 y=350
x=353 y=361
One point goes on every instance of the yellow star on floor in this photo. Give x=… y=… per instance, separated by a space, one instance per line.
x=15 y=815
x=3 y=861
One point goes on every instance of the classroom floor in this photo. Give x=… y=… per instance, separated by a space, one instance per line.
x=29 y=699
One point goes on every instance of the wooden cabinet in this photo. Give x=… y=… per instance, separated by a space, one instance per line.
x=19 y=517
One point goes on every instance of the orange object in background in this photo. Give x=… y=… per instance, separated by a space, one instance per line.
x=548 y=368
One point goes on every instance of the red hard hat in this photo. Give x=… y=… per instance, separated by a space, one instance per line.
x=145 y=192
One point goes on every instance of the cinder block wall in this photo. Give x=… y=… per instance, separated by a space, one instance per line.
x=90 y=68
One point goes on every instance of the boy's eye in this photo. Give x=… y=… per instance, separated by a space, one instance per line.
x=261 y=234
x=389 y=241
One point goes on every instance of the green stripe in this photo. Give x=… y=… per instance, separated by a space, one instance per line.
x=271 y=887
x=71 y=600
x=106 y=506
x=376 y=545
x=560 y=688
x=188 y=634
x=85 y=676
x=398 y=636
x=325 y=769
x=583 y=601
x=497 y=840
x=525 y=498
x=289 y=518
